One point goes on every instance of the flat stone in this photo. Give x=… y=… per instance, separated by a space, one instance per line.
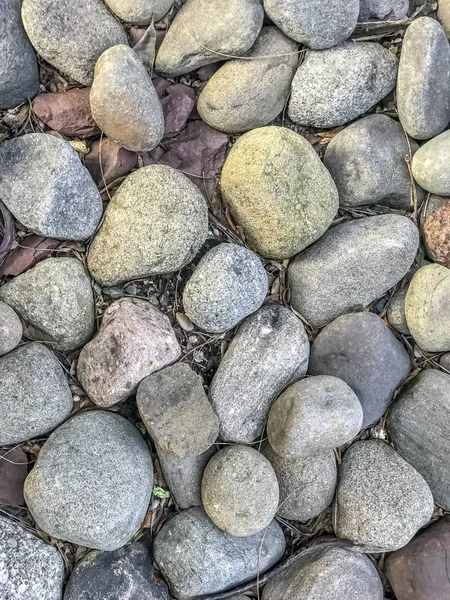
x=436 y=229
x=381 y=500
x=273 y=175
x=383 y=10
x=46 y=187
x=115 y=161
x=430 y=165
x=443 y=14
x=10 y=329
x=198 y=558
x=335 y=86
x=140 y=12
x=396 y=311
x=55 y=297
x=13 y=472
x=68 y=113
x=270 y=348
x=352 y=265
x=92 y=482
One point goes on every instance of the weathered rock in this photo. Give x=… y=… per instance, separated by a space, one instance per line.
x=423 y=86
x=335 y=86
x=198 y=558
x=443 y=14
x=70 y=36
x=47 y=189
x=361 y=350
x=13 y=472
x=444 y=362
x=430 y=165
x=54 y=297
x=383 y=10
x=68 y=113
x=436 y=229
x=135 y=340
x=92 y=481
x=352 y=265
x=274 y=176
x=246 y=94
x=10 y=329
x=381 y=500
x=203 y=31
x=270 y=348
x=140 y=12
x=115 y=161
x=155 y=223
x=396 y=314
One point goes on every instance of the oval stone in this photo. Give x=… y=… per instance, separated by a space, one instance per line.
x=10 y=329
x=140 y=12
x=430 y=165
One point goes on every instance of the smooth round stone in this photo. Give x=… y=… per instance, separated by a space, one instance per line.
x=396 y=312
x=273 y=175
x=436 y=229
x=443 y=14
x=10 y=329
x=423 y=86
x=155 y=223
x=430 y=165
x=333 y=87
x=383 y=10
x=240 y=490
x=92 y=482
x=229 y=284
x=140 y=12
x=375 y=486
x=444 y=362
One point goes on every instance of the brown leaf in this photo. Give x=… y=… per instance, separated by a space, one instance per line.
x=13 y=471
x=68 y=113
x=32 y=249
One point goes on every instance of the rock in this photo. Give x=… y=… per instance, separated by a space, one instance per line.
x=273 y=175
x=351 y=265
x=383 y=10
x=444 y=361
x=140 y=12
x=13 y=471
x=443 y=13
x=70 y=36
x=155 y=223
x=19 y=76
x=124 y=102
x=361 y=350
x=270 y=348
x=246 y=94
x=30 y=567
x=430 y=165
x=135 y=339
x=198 y=558
x=396 y=314
x=312 y=416
x=92 y=481
x=115 y=162
x=376 y=487
x=423 y=87
x=228 y=284
x=335 y=86
x=203 y=31
x=68 y=113
x=55 y=297
x=436 y=229
x=124 y=573
x=318 y=25
x=10 y=329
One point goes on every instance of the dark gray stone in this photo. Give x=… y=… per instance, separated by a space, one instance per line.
x=10 y=329
x=140 y=12
x=444 y=362
x=396 y=311
x=383 y=10
x=430 y=165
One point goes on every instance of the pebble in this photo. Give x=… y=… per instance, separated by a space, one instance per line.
x=199 y=559
x=436 y=229
x=135 y=339
x=443 y=13
x=396 y=312
x=115 y=161
x=383 y=10
x=333 y=87
x=10 y=329
x=140 y=12
x=68 y=113
x=352 y=265
x=430 y=165
x=423 y=86
x=155 y=223
x=273 y=175
x=92 y=481
x=381 y=500
x=270 y=350
x=46 y=187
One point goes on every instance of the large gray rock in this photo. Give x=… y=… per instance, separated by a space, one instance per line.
x=383 y=10
x=92 y=482
x=270 y=349
x=198 y=558
x=443 y=14
x=381 y=500
x=10 y=329
x=396 y=311
x=207 y=31
x=71 y=36
x=430 y=165
x=361 y=350
x=334 y=86
x=140 y=12
x=352 y=265
x=47 y=189
x=423 y=86
x=30 y=568
x=55 y=297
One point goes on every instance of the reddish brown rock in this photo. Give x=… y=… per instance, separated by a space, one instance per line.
x=116 y=161
x=177 y=106
x=436 y=229
x=68 y=113
x=13 y=472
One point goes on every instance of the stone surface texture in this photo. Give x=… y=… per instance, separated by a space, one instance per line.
x=10 y=329
x=396 y=314
x=383 y=10
x=436 y=229
x=443 y=14
x=430 y=165
x=140 y=12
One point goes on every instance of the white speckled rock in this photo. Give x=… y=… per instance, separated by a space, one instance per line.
x=444 y=15
x=140 y=12
x=430 y=165
x=10 y=329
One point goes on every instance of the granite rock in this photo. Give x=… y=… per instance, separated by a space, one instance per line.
x=436 y=229
x=140 y=12
x=383 y=10
x=430 y=165
x=444 y=362
x=10 y=329
x=396 y=312
x=443 y=14
x=68 y=113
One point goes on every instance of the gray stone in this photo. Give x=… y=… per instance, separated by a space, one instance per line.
x=175 y=410
x=55 y=297
x=10 y=329
x=312 y=416
x=246 y=94
x=443 y=14
x=273 y=175
x=381 y=500
x=396 y=311
x=47 y=189
x=383 y=10
x=361 y=350
x=19 y=76
x=444 y=362
x=198 y=558
x=430 y=165
x=270 y=350
x=92 y=482
x=140 y=12
x=155 y=223
x=423 y=86
x=207 y=31
x=135 y=340
x=334 y=86
x=352 y=265
x=228 y=284
x=71 y=36
x=30 y=568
